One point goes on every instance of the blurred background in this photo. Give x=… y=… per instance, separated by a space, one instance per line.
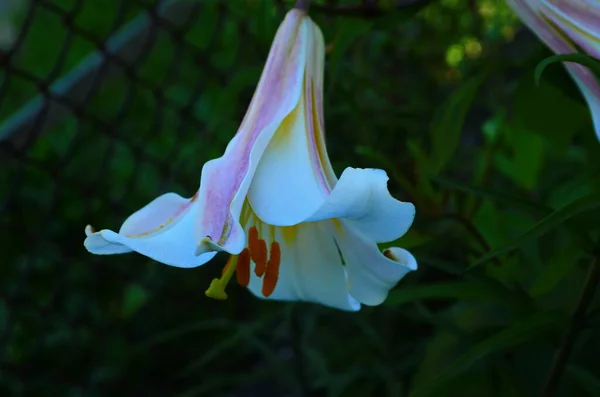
x=105 y=105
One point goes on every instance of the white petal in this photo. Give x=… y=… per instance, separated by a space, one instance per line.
x=360 y=196
x=371 y=274
x=225 y=181
x=287 y=188
x=362 y=199
x=163 y=230
x=294 y=175
x=311 y=269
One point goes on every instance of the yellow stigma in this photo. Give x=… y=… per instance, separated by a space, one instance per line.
x=216 y=290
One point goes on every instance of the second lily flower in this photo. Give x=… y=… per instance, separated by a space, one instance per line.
x=566 y=26
x=273 y=202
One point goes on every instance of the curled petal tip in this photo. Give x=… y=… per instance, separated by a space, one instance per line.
x=205 y=245
x=401 y=256
x=89 y=230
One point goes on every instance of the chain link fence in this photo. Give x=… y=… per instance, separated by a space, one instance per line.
x=102 y=107
x=106 y=105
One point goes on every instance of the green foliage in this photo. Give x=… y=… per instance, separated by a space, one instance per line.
x=502 y=165
x=555 y=219
x=448 y=124
x=512 y=336
x=592 y=63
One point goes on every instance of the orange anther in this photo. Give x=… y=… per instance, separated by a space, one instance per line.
x=261 y=259
x=243 y=268
x=272 y=273
x=253 y=239
x=275 y=257
x=258 y=251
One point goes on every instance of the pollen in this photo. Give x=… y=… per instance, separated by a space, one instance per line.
x=243 y=268
x=272 y=272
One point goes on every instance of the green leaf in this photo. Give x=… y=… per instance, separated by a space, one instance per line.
x=546 y=111
x=448 y=122
x=229 y=35
x=411 y=239
x=523 y=165
x=582 y=59
x=203 y=31
x=424 y=186
x=550 y=222
x=390 y=8
x=588 y=381
x=348 y=32
x=458 y=289
x=513 y=336
x=134 y=298
x=511 y=201
x=565 y=257
x=441 y=345
x=3 y=315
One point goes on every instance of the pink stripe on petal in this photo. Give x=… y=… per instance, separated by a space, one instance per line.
x=157 y=216
x=314 y=94
x=580 y=21
x=546 y=28
x=225 y=181
x=529 y=12
x=590 y=88
x=312 y=131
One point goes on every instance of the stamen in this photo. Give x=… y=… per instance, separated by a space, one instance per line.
x=253 y=241
x=226 y=266
x=243 y=268
x=258 y=251
x=260 y=260
x=272 y=273
x=216 y=290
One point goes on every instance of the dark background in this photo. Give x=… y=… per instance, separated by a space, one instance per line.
x=105 y=105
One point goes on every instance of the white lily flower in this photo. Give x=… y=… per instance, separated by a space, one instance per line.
x=272 y=201
x=568 y=26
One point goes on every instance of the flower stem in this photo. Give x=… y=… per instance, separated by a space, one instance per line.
x=303 y=5
x=577 y=322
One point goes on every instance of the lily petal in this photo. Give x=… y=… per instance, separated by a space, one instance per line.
x=294 y=175
x=530 y=13
x=225 y=181
x=360 y=196
x=162 y=230
x=580 y=20
x=537 y=14
x=372 y=274
x=311 y=269
x=362 y=200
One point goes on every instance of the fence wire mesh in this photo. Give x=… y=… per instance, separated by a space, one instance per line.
x=102 y=106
